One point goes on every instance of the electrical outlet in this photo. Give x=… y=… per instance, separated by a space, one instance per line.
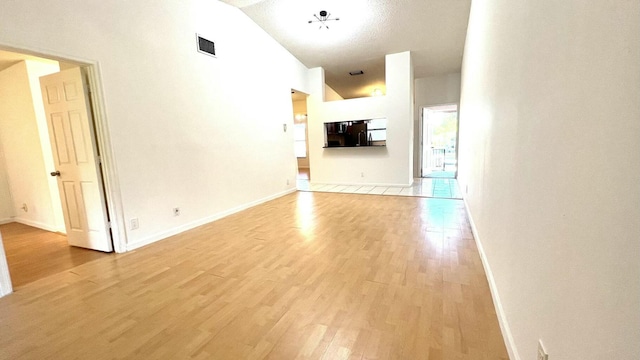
x=176 y=211
x=134 y=223
x=287 y=181
x=542 y=353
x=466 y=189
x=361 y=174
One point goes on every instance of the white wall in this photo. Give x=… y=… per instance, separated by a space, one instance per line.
x=438 y=90
x=391 y=165
x=430 y=91
x=550 y=153
x=300 y=107
x=6 y=202
x=181 y=132
x=22 y=149
x=330 y=94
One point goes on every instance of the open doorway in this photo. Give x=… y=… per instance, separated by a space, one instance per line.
x=301 y=139
x=33 y=253
x=439 y=139
x=41 y=204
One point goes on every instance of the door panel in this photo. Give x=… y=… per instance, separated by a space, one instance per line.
x=91 y=196
x=59 y=142
x=71 y=202
x=78 y=137
x=52 y=95
x=71 y=131
x=70 y=91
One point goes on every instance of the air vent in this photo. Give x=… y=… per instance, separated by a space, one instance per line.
x=354 y=73
x=206 y=46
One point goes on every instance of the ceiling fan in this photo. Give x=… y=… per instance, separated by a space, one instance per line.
x=323 y=18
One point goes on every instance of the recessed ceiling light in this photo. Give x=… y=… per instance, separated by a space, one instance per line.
x=358 y=72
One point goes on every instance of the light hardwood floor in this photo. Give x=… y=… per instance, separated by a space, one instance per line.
x=308 y=276
x=34 y=254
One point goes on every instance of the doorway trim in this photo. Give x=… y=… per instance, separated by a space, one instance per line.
x=421 y=132
x=102 y=138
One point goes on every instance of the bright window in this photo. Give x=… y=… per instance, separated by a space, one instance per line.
x=300 y=138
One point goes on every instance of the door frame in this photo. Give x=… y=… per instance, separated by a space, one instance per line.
x=305 y=121
x=102 y=139
x=421 y=133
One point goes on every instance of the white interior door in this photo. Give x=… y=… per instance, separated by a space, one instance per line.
x=74 y=152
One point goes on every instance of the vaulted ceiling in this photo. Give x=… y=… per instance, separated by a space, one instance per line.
x=433 y=30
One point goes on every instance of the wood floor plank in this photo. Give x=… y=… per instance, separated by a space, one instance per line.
x=305 y=276
x=34 y=254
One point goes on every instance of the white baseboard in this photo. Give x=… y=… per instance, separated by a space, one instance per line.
x=37 y=224
x=502 y=318
x=361 y=184
x=182 y=228
x=6 y=221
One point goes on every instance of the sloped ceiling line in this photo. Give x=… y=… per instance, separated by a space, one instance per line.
x=433 y=30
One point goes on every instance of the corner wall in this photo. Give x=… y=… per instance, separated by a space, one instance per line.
x=550 y=154
x=391 y=165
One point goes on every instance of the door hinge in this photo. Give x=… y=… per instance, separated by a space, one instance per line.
x=99 y=159
x=109 y=224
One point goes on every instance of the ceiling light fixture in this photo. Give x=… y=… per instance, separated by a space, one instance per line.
x=322 y=19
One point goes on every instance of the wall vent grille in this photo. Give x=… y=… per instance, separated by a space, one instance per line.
x=206 y=46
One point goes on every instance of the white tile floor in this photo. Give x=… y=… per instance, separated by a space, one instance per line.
x=422 y=187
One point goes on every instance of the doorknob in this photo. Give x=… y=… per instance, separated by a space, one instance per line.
x=55 y=173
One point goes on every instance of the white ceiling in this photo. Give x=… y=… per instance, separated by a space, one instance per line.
x=433 y=30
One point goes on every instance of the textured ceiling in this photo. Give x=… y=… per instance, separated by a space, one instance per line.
x=433 y=30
